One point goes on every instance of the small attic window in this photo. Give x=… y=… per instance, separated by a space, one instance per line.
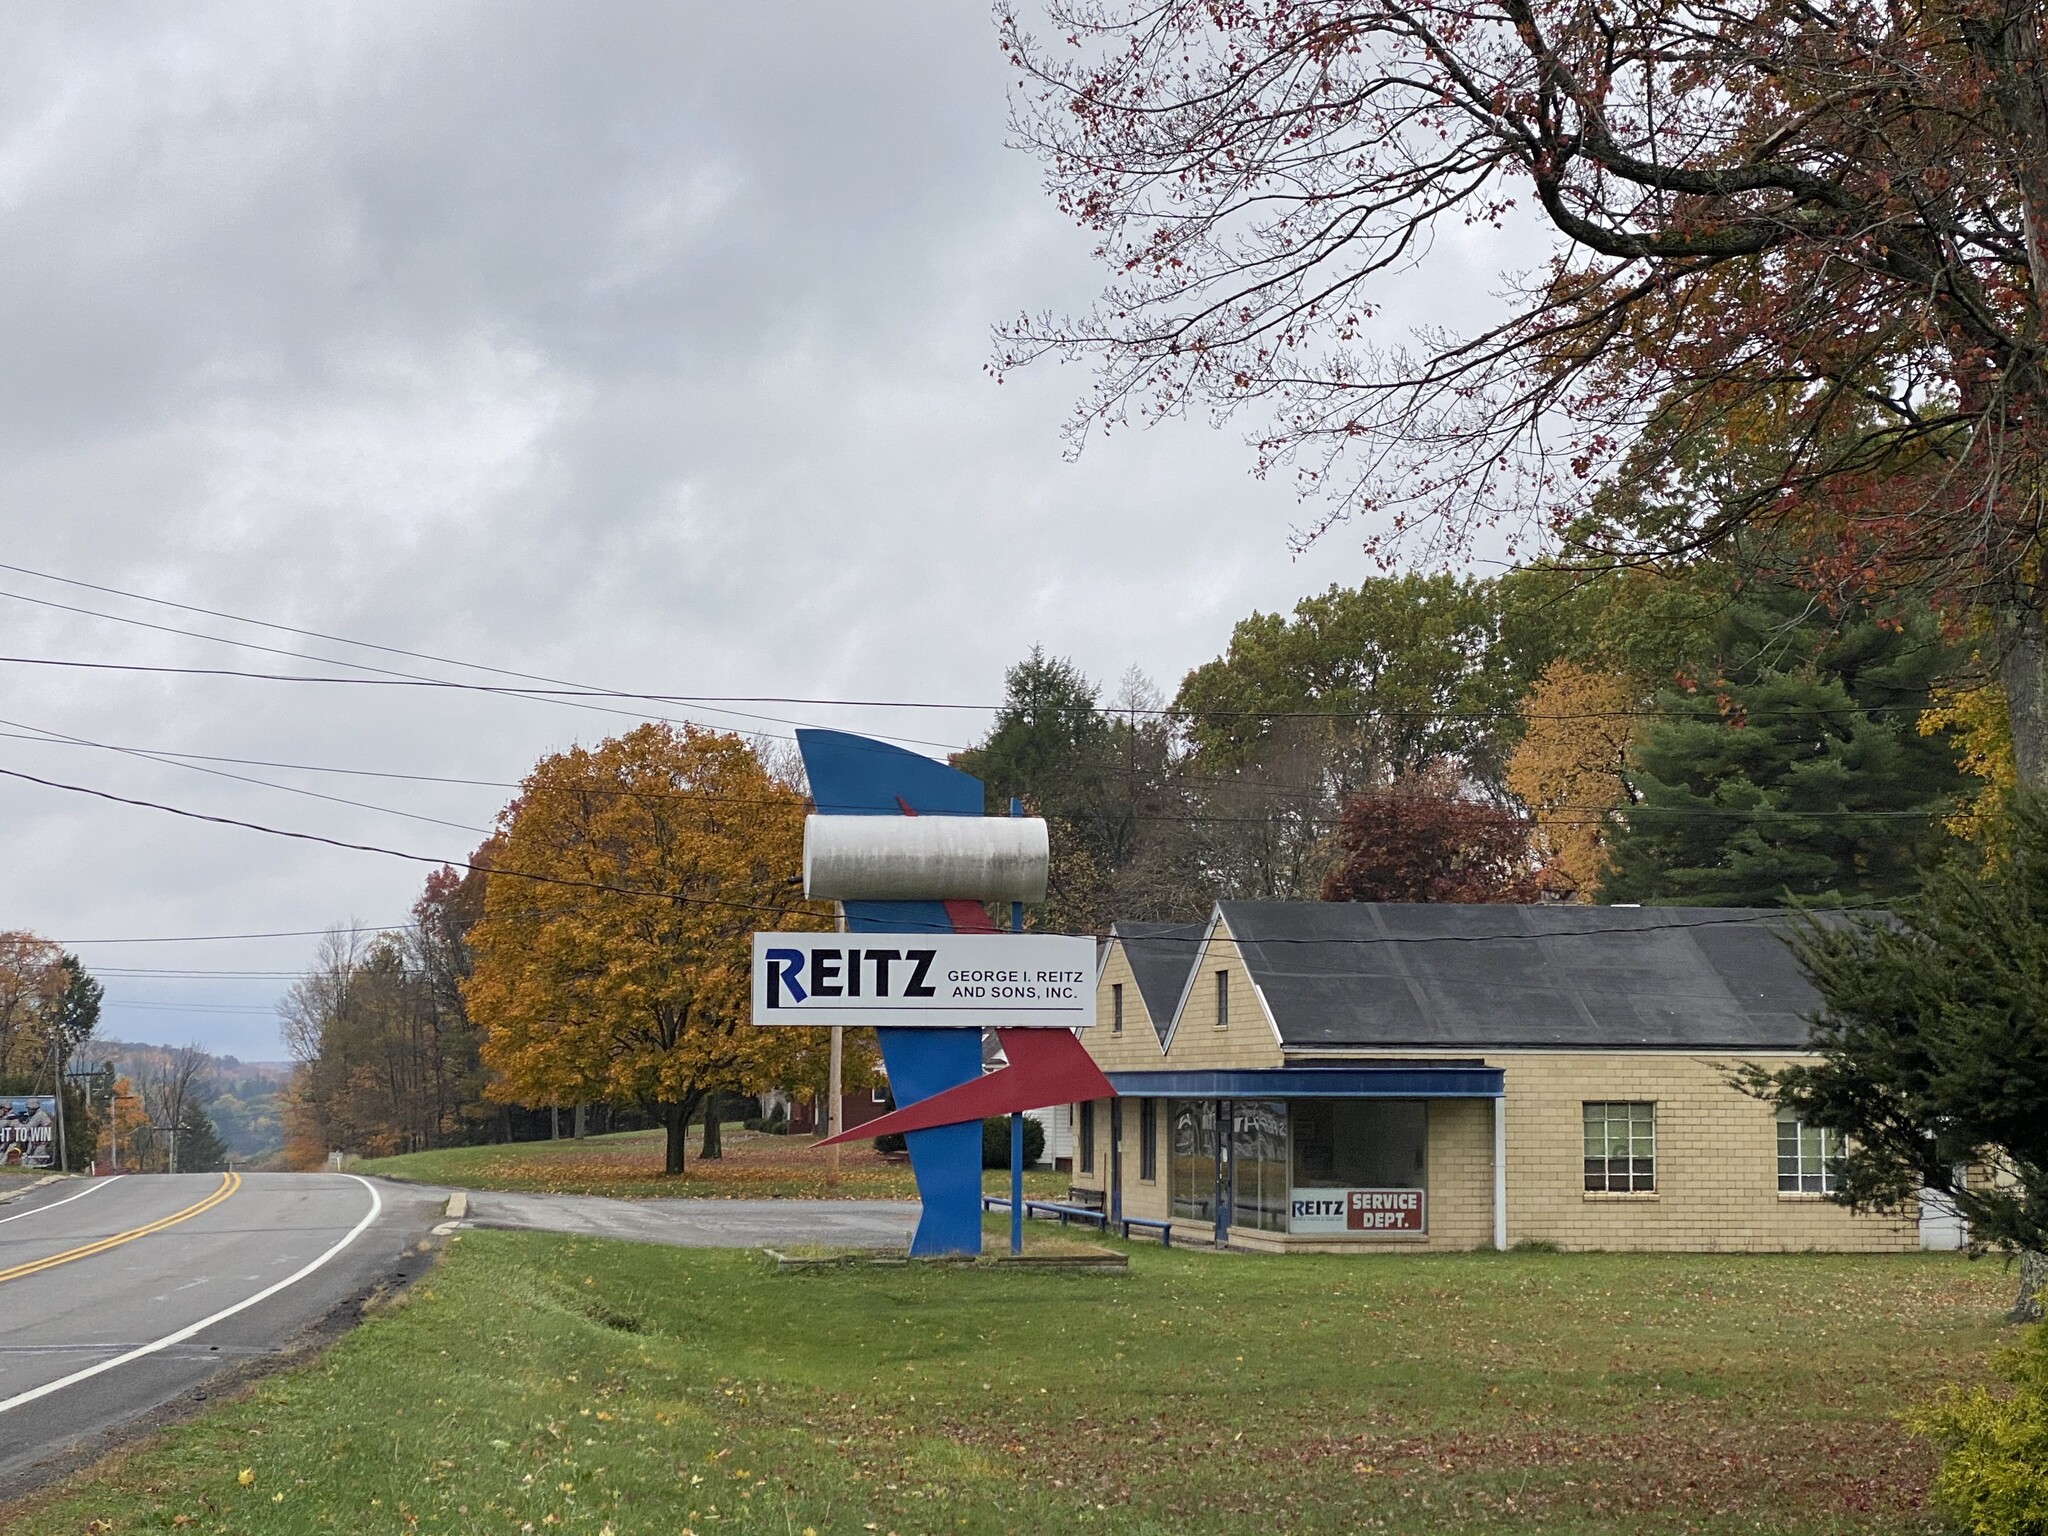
x=1116 y=1008
x=1223 y=999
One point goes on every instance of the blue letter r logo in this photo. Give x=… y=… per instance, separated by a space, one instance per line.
x=785 y=967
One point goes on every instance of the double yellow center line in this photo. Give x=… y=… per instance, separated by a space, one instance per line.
x=229 y=1183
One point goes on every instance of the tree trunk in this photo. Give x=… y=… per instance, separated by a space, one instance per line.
x=2033 y=1278
x=2023 y=670
x=675 y=1120
x=710 y=1147
x=582 y=1121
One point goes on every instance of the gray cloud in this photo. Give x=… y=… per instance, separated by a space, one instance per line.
x=639 y=343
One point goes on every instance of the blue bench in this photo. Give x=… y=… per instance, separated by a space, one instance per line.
x=1049 y=1210
x=1066 y=1213
x=1163 y=1228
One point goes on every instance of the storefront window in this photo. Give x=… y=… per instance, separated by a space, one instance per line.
x=1194 y=1158
x=1359 y=1143
x=1358 y=1167
x=1148 y=1140
x=1258 y=1162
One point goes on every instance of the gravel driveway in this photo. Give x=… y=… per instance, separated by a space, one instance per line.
x=703 y=1223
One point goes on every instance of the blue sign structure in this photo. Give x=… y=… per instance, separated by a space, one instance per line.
x=857 y=776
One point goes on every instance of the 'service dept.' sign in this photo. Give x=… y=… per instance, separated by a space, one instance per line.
x=925 y=980
x=1358 y=1210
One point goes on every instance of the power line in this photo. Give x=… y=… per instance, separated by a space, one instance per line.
x=203 y=1007
x=395 y=853
x=59 y=738
x=210 y=938
x=572 y=693
x=564 y=692
x=910 y=926
x=1595 y=813
x=165 y=973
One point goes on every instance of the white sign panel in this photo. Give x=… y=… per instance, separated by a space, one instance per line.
x=925 y=980
x=1337 y=1211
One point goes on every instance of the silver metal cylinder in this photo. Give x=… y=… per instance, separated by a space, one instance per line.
x=925 y=858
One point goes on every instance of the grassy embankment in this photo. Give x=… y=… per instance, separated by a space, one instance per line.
x=544 y=1384
x=628 y=1166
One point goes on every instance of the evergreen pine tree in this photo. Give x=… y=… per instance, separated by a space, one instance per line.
x=1798 y=771
x=200 y=1149
x=1934 y=1048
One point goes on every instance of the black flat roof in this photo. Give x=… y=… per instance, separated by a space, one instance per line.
x=1440 y=976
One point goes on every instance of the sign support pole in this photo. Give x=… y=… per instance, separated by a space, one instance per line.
x=1017 y=1181
x=834 y=1087
x=832 y=1112
x=1017 y=1116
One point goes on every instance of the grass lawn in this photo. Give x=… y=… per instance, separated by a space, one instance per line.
x=628 y=1166
x=544 y=1384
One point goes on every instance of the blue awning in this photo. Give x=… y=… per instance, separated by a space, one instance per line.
x=1413 y=1080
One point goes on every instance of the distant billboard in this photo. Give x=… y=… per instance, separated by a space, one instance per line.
x=28 y=1132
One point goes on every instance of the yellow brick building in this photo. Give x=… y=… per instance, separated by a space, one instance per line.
x=1347 y=1076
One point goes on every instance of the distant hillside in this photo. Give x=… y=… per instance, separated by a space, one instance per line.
x=126 y=1053
x=241 y=1096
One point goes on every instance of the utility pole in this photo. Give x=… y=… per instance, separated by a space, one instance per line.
x=172 y=1129
x=86 y=1081
x=57 y=1081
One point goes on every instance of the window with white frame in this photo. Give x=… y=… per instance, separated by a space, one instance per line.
x=1808 y=1156
x=1223 y=999
x=1116 y=1008
x=1621 y=1148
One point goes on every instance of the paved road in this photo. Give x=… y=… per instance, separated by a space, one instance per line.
x=703 y=1223
x=121 y=1295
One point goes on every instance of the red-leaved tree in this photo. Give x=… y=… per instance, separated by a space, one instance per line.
x=1419 y=840
x=1818 y=228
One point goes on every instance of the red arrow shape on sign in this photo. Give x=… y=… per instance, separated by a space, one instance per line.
x=1047 y=1066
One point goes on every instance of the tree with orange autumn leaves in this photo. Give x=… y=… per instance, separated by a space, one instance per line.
x=613 y=956
x=1571 y=766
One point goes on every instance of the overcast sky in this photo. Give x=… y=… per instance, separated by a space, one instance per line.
x=640 y=344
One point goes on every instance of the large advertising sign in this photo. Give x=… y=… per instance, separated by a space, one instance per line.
x=28 y=1132
x=1338 y=1211
x=925 y=980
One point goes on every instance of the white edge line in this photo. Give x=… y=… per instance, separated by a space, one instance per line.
x=95 y=1184
x=23 y=1398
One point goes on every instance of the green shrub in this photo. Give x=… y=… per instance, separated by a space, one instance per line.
x=1994 y=1468
x=995 y=1141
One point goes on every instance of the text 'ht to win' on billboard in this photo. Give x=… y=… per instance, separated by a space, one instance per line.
x=928 y=980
